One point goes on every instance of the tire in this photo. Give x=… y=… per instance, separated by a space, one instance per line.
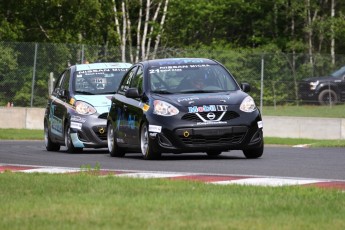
x=213 y=153
x=327 y=97
x=114 y=149
x=50 y=146
x=146 y=145
x=68 y=142
x=254 y=153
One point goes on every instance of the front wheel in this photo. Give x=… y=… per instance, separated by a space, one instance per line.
x=50 y=146
x=146 y=146
x=254 y=153
x=68 y=142
x=114 y=149
x=328 y=97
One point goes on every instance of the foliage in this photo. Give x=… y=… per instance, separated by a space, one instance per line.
x=8 y=64
x=253 y=39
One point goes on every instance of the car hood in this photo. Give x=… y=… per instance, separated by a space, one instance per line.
x=321 y=79
x=223 y=98
x=100 y=102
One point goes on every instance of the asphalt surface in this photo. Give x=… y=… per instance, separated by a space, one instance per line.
x=318 y=163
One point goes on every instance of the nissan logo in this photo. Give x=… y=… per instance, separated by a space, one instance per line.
x=211 y=116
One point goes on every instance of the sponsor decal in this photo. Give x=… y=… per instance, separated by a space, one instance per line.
x=55 y=122
x=260 y=124
x=131 y=121
x=211 y=123
x=207 y=108
x=181 y=99
x=121 y=120
x=56 y=125
x=222 y=108
x=155 y=128
x=78 y=119
x=76 y=125
x=119 y=140
x=153 y=134
x=204 y=108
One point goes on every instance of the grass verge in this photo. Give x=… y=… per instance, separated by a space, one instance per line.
x=86 y=201
x=334 y=111
x=21 y=134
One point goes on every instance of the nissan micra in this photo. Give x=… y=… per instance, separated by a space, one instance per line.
x=78 y=107
x=183 y=105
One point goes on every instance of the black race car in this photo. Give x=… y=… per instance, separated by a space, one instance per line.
x=78 y=107
x=324 y=90
x=182 y=105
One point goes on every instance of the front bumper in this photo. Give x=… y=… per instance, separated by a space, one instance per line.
x=89 y=131
x=236 y=134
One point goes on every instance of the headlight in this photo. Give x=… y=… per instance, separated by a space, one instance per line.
x=313 y=84
x=164 y=109
x=84 y=108
x=248 y=105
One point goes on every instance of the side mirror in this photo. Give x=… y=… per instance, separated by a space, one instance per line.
x=245 y=87
x=132 y=93
x=63 y=93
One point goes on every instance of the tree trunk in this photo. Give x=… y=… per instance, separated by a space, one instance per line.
x=146 y=24
x=309 y=32
x=161 y=28
x=332 y=31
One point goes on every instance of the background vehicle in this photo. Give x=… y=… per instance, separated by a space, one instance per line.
x=77 y=109
x=182 y=105
x=324 y=90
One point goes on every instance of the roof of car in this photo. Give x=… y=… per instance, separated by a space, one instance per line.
x=102 y=65
x=179 y=61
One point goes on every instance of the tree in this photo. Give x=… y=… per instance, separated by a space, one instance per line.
x=150 y=19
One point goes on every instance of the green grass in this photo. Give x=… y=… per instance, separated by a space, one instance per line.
x=335 y=111
x=303 y=141
x=85 y=201
x=21 y=134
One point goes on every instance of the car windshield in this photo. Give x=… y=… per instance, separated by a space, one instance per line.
x=339 y=73
x=190 y=78
x=98 y=81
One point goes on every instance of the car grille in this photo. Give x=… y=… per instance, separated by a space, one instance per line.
x=194 y=117
x=212 y=136
x=304 y=87
x=201 y=140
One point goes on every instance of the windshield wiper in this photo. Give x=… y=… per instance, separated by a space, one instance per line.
x=161 y=92
x=84 y=92
x=199 y=91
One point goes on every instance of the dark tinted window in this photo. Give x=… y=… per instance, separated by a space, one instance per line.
x=98 y=81
x=191 y=77
x=127 y=80
x=137 y=81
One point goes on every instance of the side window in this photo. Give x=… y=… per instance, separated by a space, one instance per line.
x=126 y=83
x=59 y=83
x=62 y=84
x=65 y=82
x=137 y=81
